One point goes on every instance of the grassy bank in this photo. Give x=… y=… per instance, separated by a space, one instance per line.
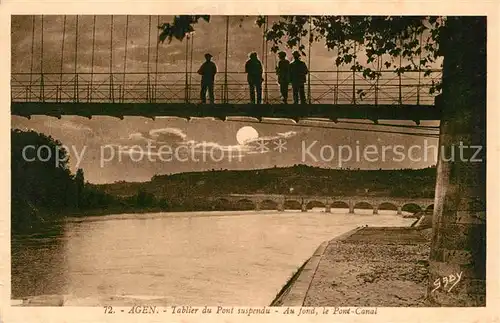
x=29 y=219
x=286 y=288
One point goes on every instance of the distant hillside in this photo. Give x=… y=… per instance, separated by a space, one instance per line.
x=305 y=180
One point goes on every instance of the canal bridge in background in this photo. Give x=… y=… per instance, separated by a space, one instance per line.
x=281 y=202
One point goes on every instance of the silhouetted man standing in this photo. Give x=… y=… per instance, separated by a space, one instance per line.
x=253 y=68
x=207 y=72
x=283 y=72
x=298 y=72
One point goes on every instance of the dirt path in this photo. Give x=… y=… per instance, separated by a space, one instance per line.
x=373 y=267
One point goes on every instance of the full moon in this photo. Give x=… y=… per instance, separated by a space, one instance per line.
x=245 y=134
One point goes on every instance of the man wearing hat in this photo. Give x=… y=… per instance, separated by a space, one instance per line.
x=207 y=72
x=253 y=68
x=298 y=72
x=283 y=73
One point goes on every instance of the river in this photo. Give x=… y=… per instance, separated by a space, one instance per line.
x=192 y=258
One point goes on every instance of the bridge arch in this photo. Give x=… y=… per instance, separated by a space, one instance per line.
x=268 y=205
x=222 y=204
x=363 y=205
x=411 y=207
x=315 y=203
x=387 y=206
x=429 y=208
x=292 y=205
x=339 y=205
x=245 y=204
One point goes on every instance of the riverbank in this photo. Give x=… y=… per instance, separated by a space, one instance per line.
x=40 y=216
x=369 y=266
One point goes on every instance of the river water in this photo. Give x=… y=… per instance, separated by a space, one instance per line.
x=192 y=258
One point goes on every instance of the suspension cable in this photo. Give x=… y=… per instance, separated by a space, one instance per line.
x=266 y=91
x=191 y=63
x=264 y=38
x=309 y=61
x=42 y=89
x=111 y=45
x=111 y=90
x=92 y=60
x=41 y=45
x=419 y=70
x=62 y=53
x=186 y=58
x=226 y=96
x=32 y=47
x=400 y=73
x=122 y=95
x=29 y=90
x=76 y=44
x=337 y=71
x=156 y=58
x=354 y=75
x=76 y=61
x=393 y=125
x=418 y=134
x=377 y=80
x=148 y=85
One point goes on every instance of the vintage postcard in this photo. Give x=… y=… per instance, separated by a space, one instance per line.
x=213 y=162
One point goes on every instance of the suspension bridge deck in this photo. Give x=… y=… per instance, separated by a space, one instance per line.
x=340 y=95
x=221 y=111
x=152 y=83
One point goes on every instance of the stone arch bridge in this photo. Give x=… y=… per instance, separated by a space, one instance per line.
x=281 y=202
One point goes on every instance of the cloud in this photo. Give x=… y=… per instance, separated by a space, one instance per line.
x=67 y=125
x=287 y=134
x=213 y=145
x=161 y=136
x=260 y=143
x=169 y=130
x=279 y=135
x=175 y=142
x=140 y=137
x=190 y=151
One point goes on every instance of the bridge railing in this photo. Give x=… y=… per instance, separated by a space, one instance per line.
x=323 y=87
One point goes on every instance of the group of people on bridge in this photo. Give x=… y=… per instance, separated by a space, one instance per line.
x=287 y=72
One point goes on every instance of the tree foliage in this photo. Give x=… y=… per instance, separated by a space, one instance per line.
x=43 y=188
x=386 y=38
x=38 y=178
x=179 y=27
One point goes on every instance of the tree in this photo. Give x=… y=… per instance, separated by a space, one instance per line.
x=459 y=220
x=179 y=27
x=40 y=178
x=80 y=185
x=144 y=198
